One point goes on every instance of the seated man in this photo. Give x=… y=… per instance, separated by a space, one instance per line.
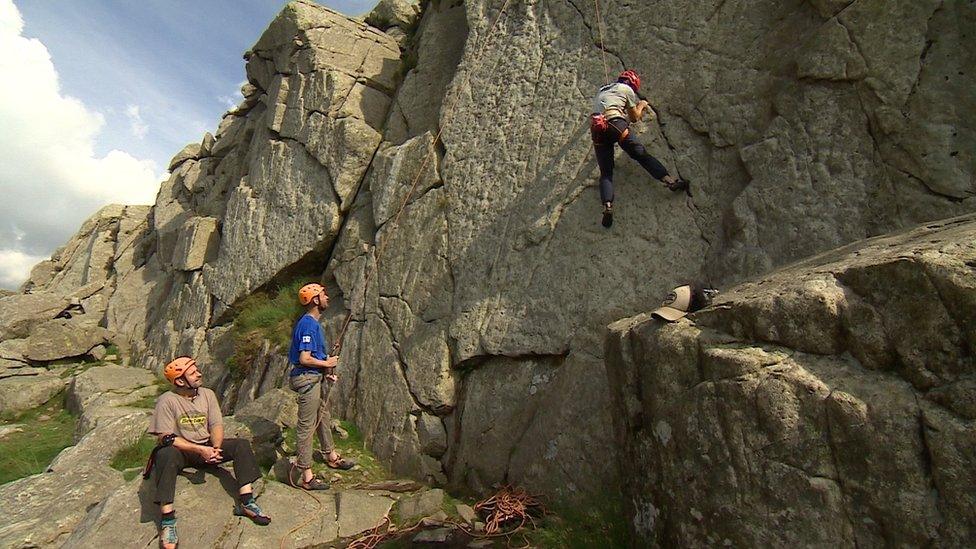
x=189 y=425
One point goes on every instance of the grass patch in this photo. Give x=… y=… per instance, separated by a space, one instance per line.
x=601 y=523
x=369 y=469
x=264 y=316
x=272 y=315
x=150 y=401
x=47 y=430
x=133 y=457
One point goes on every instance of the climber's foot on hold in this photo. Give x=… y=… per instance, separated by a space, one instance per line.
x=607 y=215
x=675 y=185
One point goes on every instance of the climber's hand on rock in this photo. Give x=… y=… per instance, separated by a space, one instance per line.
x=332 y=362
x=332 y=377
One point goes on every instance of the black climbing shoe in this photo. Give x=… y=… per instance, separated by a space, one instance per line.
x=678 y=185
x=607 y=215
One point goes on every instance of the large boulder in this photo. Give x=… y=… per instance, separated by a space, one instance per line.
x=19 y=393
x=63 y=338
x=279 y=406
x=20 y=313
x=103 y=385
x=103 y=441
x=44 y=509
x=205 y=499
x=829 y=403
x=327 y=82
x=395 y=13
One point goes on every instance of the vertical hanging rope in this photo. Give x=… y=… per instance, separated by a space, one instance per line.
x=396 y=219
x=416 y=180
x=603 y=49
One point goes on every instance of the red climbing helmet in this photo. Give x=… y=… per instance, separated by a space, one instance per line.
x=630 y=78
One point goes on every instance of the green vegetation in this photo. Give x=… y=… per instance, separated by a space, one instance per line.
x=47 y=430
x=601 y=523
x=264 y=316
x=132 y=458
x=272 y=316
x=150 y=401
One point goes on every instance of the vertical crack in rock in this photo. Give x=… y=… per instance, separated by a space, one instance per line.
x=929 y=40
x=928 y=463
x=718 y=8
x=835 y=460
x=401 y=362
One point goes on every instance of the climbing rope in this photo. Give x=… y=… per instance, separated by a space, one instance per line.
x=603 y=49
x=337 y=348
x=506 y=507
x=416 y=180
x=500 y=511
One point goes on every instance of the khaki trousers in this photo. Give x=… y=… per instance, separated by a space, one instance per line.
x=313 y=406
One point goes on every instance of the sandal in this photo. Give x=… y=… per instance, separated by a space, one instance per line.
x=341 y=464
x=315 y=484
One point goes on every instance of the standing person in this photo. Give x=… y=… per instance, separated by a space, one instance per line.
x=190 y=428
x=312 y=377
x=614 y=108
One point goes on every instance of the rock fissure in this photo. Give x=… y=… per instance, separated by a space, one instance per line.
x=926 y=458
x=845 y=499
x=402 y=366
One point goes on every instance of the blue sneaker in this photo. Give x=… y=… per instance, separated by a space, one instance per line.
x=167 y=534
x=253 y=512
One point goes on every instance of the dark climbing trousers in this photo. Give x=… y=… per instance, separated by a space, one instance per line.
x=603 y=144
x=170 y=461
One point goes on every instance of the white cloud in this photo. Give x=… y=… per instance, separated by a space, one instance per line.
x=234 y=98
x=136 y=124
x=50 y=177
x=15 y=267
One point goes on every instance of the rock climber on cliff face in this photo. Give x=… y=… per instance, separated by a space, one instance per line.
x=189 y=424
x=614 y=108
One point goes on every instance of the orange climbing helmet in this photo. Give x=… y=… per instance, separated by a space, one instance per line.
x=177 y=367
x=308 y=291
x=630 y=78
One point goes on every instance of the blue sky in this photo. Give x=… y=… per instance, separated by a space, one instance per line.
x=179 y=62
x=97 y=96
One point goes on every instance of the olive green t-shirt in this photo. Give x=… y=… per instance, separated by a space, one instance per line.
x=189 y=418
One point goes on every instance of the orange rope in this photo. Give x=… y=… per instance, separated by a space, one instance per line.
x=423 y=166
x=500 y=510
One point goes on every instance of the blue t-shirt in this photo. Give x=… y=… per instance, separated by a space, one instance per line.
x=308 y=336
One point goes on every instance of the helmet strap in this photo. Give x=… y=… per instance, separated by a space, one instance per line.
x=192 y=391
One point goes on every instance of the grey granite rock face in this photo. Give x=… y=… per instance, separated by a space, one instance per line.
x=832 y=396
x=793 y=121
x=43 y=510
x=102 y=383
x=58 y=338
x=803 y=125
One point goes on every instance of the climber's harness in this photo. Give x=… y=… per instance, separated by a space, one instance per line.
x=600 y=124
x=167 y=441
